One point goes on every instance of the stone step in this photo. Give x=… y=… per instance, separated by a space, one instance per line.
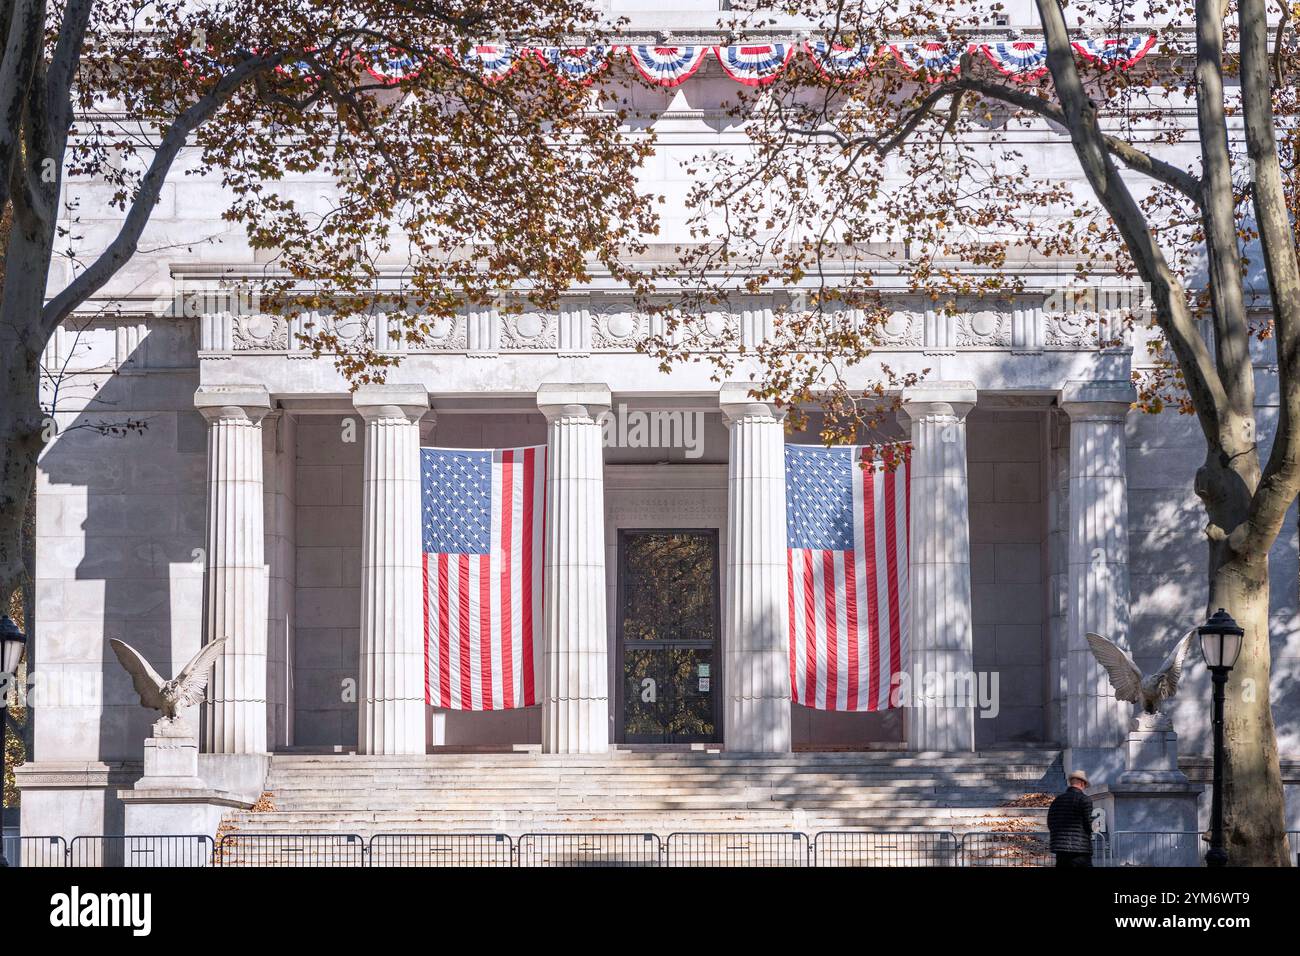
x=627 y=761
x=275 y=819
x=489 y=787
x=645 y=792
x=343 y=770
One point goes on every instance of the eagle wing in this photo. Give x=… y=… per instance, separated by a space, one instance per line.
x=192 y=681
x=1124 y=674
x=1171 y=671
x=147 y=682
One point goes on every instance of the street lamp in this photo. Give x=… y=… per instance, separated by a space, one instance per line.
x=1220 y=645
x=12 y=644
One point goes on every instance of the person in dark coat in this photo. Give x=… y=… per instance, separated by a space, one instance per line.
x=1069 y=823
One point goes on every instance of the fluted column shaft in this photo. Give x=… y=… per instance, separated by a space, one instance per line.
x=391 y=712
x=942 y=664
x=235 y=580
x=756 y=672
x=1098 y=557
x=575 y=700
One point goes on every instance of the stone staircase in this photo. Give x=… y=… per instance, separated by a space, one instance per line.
x=650 y=792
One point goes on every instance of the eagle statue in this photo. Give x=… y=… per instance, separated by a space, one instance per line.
x=1128 y=681
x=183 y=690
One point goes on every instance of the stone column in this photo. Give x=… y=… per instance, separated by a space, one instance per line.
x=391 y=711
x=575 y=695
x=1097 y=571
x=755 y=636
x=941 y=714
x=235 y=583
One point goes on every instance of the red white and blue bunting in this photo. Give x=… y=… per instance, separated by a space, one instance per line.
x=667 y=65
x=576 y=64
x=1022 y=60
x=392 y=66
x=753 y=64
x=1117 y=52
x=934 y=57
x=493 y=60
x=838 y=62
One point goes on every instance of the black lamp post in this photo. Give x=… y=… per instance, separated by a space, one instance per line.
x=1220 y=645
x=12 y=644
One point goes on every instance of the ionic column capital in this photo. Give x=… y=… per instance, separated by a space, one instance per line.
x=561 y=402
x=951 y=400
x=1097 y=401
x=388 y=402
x=737 y=405
x=243 y=403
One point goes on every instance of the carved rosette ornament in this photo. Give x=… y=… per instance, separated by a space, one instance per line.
x=1075 y=329
x=712 y=330
x=259 y=332
x=616 y=327
x=984 y=328
x=901 y=328
x=528 y=330
x=440 y=333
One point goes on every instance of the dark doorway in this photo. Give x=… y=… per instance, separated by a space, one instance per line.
x=669 y=621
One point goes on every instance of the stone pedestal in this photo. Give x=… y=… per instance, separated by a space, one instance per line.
x=171 y=757
x=942 y=639
x=1097 y=572
x=391 y=715
x=575 y=698
x=756 y=674
x=236 y=577
x=1151 y=796
x=1152 y=751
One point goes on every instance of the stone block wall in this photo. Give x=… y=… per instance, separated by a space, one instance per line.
x=327 y=603
x=1008 y=525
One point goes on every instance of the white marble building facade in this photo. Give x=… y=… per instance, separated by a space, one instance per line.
x=267 y=501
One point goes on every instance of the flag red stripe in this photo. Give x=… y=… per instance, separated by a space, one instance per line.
x=466 y=690
x=873 y=612
x=526 y=575
x=832 y=634
x=485 y=629
x=424 y=575
x=810 y=627
x=794 y=673
x=891 y=563
x=444 y=632
x=851 y=623
x=507 y=542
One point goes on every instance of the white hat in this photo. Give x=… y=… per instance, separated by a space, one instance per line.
x=1077 y=775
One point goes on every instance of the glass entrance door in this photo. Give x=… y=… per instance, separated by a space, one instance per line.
x=668 y=627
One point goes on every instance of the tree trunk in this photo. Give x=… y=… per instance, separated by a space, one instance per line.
x=21 y=423
x=1253 y=800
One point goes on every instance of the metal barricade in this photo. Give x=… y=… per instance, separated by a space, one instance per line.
x=180 y=850
x=1152 y=848
x=291 y=849
x=440 y=849
x=590 y=849
x=886 y=848
x=43 y=851
x=777 y=848
x=1019 y=848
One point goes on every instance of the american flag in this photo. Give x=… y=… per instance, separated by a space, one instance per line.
x=846 y=534
x=484 y=517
